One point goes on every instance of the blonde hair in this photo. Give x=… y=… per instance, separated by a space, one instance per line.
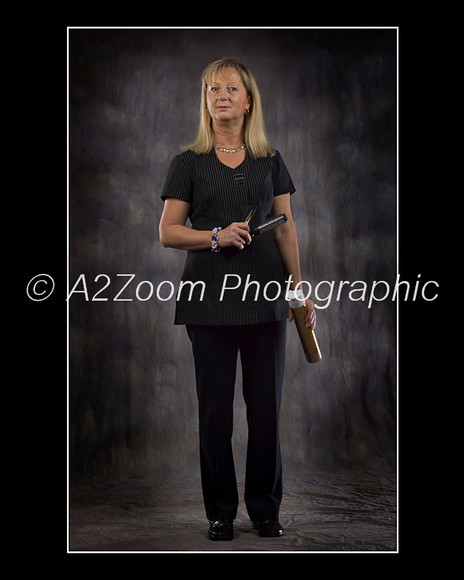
x=255 y=138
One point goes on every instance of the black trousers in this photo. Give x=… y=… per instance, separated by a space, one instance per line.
x=262 y=353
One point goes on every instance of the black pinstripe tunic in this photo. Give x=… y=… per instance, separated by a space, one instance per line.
x=249 y=279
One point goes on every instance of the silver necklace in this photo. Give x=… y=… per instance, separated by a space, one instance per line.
x=224 y=150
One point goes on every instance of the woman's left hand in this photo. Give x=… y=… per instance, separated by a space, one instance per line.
x=310 y=318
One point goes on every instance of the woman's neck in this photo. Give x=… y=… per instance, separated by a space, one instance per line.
x=228 y=136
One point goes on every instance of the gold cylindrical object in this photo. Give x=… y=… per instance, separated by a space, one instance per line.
x=307 y=336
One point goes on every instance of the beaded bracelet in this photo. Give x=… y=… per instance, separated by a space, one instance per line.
x=214 y=240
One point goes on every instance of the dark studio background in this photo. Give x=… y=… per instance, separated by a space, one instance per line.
x=329 y=99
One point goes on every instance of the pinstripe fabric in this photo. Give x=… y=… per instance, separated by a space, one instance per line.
x=220 y=195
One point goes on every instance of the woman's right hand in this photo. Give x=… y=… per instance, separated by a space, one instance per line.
x=237 y=234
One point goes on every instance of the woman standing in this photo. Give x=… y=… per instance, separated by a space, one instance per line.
x=228 y=169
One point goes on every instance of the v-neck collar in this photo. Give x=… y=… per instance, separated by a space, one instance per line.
x=225 y=164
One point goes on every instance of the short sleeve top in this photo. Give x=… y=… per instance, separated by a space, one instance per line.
x=230 y=287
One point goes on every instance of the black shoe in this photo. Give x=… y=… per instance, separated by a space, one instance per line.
x=268 y=529
x=221 y=530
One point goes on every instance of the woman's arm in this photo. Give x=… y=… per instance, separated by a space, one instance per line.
x=172 y=230
x=287 y=242
x=174 y=234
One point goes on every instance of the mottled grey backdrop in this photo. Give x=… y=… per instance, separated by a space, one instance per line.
x=329 y=99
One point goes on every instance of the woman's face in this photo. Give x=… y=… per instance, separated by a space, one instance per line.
x=226 y=96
